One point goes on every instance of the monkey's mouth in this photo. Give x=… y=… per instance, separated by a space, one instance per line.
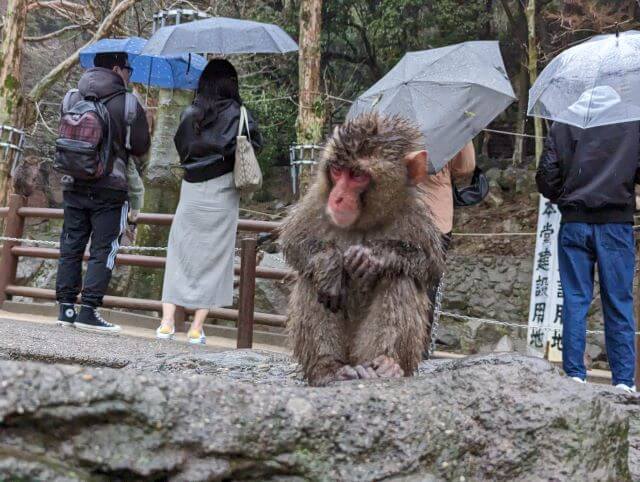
x=342 y=219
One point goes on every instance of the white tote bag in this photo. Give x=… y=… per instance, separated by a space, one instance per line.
x=246 y=173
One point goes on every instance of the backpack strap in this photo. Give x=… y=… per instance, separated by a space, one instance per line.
x=67 y=103
x=130 y=114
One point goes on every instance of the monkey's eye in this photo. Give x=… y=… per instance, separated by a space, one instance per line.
x=336 y=172
x=359 y=176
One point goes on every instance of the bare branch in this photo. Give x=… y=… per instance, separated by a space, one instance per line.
x=57 y=33
x=510 y=17
x=107 y=25
x=57 y=5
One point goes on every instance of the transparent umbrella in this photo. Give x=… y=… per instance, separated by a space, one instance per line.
x=452 y=93
x=592 y=84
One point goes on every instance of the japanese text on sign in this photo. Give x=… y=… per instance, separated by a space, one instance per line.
x=545 y=311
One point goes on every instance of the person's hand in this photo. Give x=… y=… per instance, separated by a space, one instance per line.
x=150 y=120
x=133 y=215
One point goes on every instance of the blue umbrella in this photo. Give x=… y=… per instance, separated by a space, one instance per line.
x=168 y=73
x=181 y=72
x=132 y=46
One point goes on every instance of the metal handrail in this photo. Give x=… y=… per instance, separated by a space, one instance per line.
x=16 y=213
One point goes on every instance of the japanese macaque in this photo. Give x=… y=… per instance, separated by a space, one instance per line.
x=366 y=250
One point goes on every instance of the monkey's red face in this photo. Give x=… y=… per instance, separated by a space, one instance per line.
x=344 y=205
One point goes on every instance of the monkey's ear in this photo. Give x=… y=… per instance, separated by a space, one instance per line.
x=416 y=163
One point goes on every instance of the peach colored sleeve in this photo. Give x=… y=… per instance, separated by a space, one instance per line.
x=464 y=163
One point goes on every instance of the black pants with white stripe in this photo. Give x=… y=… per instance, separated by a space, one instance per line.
x=101 y=216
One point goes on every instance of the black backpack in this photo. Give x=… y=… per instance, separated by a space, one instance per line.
x=84 y=143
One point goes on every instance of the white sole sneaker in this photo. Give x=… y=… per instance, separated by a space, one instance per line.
x=198 y=341
x=98 y=329
x=626 y=388
x=165 y=336
x=578 y=379
x=70 y=324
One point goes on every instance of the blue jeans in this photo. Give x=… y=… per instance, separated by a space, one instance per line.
x=611 y=246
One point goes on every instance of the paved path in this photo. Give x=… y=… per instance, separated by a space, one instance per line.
x=34 y=337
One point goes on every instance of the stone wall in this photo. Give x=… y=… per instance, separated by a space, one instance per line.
x=498 y=287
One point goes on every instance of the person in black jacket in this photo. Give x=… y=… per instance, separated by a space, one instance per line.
x=98 y=210
x=200 y=256
x=591 y=175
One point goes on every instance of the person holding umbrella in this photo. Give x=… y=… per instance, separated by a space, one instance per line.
x=438 y=191
x=199 y=271
x=589 y=167
x=200 y=255
x=96 y=208
x=590 y=173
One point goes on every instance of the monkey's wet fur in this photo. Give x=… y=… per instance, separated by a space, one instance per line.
x=366 y=250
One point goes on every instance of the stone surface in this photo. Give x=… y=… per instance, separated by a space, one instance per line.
x=164 y=411
x=497 y=287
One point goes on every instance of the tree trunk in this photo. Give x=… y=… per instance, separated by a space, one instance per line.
x=311 y=111
x=532 y=47
x=162 y=187
x=522 y=88
x=10 y=78
x=11 y=61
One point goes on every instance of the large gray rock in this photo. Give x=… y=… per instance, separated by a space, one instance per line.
x=178 y=413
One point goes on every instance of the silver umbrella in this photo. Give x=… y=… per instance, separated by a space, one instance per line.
x=592 y=84
x=220 y=35
x=452 y=93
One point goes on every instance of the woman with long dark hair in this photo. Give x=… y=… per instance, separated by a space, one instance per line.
x=199 y=270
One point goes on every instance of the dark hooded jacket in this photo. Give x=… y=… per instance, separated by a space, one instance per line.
x=217 y=137
x=106 y=84
x=591 y=173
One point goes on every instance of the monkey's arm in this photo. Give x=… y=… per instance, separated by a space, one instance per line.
x=320 y=262
x=402 y=258
x=312 y=257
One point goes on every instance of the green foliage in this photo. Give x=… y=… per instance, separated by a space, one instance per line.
x=363 y=39
x=458 y=20
x=276 y=115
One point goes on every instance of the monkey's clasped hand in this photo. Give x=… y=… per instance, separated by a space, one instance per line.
x=361 y=264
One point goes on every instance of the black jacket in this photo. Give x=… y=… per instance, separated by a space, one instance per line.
x=591 y=173
x=217 y=137
x=104 y=83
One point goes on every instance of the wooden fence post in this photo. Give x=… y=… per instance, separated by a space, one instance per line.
x=249 y=247
x=13 y=228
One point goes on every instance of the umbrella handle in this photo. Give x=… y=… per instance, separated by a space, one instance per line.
x=189 y=64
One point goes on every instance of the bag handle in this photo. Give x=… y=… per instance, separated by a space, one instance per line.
x=244 y=122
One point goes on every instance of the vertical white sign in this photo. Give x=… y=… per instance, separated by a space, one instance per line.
x=545 y=310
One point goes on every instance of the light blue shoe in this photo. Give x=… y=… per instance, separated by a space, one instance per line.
x=197 y=337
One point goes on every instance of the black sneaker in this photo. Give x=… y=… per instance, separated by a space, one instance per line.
x=89 y=319
x=67 y=316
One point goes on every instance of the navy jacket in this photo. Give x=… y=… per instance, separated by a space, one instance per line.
x=591 y=173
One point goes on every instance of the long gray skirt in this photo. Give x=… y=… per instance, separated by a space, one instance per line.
x=199 y=271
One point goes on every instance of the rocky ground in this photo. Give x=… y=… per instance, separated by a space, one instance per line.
x=76 y=406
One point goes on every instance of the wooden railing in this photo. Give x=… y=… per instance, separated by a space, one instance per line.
x=16 y=213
